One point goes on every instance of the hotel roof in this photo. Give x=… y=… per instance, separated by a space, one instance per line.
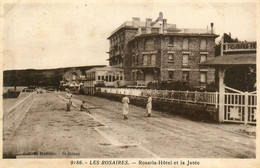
x=169 y=26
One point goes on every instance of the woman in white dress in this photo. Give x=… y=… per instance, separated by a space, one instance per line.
x=125 y=102
x=149 y=106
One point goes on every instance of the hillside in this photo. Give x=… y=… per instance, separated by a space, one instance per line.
x=38 y=77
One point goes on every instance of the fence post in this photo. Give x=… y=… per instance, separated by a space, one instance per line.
x=246 y=108
x=221 y=75
x=216 y=100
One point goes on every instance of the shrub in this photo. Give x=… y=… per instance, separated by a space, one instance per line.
x=100 y=85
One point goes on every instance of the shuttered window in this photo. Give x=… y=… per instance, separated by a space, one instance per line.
x=153 y=59
x=203 y=44
x=203 y=58
x=203 y=77
x=186 y=44
x=145 y=59
x=149 y=44
x=185 y=59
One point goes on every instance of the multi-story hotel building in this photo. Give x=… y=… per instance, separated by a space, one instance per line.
x=162 y=52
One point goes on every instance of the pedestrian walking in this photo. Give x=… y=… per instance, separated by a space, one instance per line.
x=83 y=107
x=149 y=106
x=69 y=102
x=125 y=102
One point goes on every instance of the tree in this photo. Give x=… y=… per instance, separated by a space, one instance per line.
x=227 y=39
x=242 y=77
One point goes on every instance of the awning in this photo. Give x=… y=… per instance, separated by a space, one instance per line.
x=231 y=59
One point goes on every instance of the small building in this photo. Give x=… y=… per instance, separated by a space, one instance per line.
x=73 y=79
x=103 y=76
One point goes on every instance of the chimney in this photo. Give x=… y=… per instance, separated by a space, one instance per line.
x=136 y=21
x=148 y=25
x=161 y=29
x=212 y=25
x=164 y=25
x=148 y=22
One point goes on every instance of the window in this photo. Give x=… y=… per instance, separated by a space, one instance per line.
x=133 y=60
x=185 y=76
x=149 y=44
x=185 y=43
x=74 y=77
x=170 y=73
x=203 y=44
x=203 y=77
x=98 y=77
x=134 y=76
x=170 y=57
x=203 y=58
x=103 y=78
x=171 y=40
x=153 y=59
x=121 y=77
x=185 y=59
x=145 y=59
x=106 y=78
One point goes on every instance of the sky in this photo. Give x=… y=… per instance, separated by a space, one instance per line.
x=53 y=35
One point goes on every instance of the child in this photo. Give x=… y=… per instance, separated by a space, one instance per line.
x=83 y=107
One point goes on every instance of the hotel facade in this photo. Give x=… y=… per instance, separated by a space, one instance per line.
x=162 y=53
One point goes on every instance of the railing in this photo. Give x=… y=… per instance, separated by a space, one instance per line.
x=168 y=95
x=194 y=31
x=238 y=107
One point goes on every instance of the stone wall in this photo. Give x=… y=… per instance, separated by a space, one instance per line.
x=164 y=49
x=194 y=52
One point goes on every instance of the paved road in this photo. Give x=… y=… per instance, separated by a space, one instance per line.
x=49 y=129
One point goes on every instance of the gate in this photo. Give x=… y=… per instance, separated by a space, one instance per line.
x=239 y=106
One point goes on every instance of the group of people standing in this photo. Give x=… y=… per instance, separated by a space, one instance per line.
x=126 y=102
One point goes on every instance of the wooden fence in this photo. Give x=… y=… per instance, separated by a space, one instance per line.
x=168 y=95
x=242 y=103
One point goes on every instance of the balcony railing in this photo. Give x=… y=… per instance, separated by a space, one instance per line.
x=145 y=66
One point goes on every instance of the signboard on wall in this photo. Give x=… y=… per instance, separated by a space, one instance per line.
x=243 y=46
